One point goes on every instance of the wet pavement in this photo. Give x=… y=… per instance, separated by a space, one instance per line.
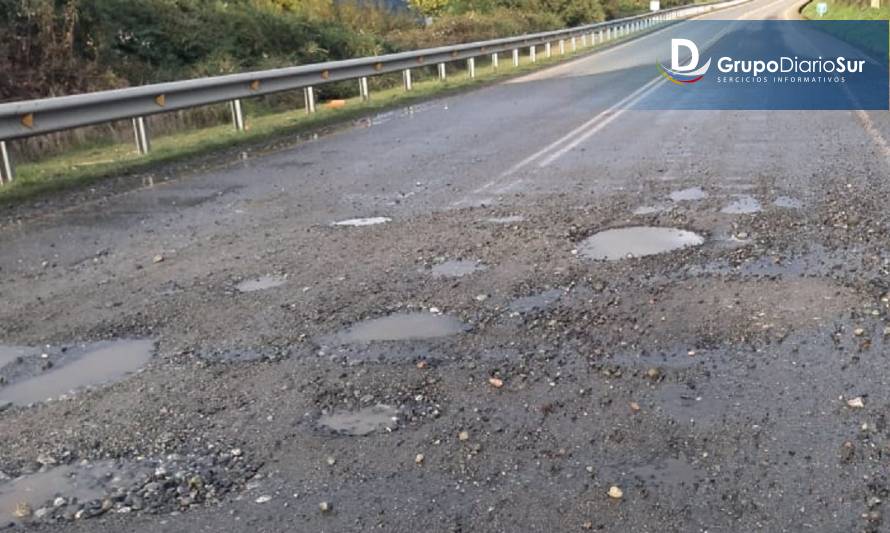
x=590 y=343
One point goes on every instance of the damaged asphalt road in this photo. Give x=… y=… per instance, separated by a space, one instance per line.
x=212 y=352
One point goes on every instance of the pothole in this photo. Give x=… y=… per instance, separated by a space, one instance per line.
x=742 y=205
x=512 y=219
x=369 y=221
x=650 y=209
x=261 y=283
x=692 y=193
x=361 y=422
x=42 y=377
x=535 y=302
x=636 y=241
x=787 y=202
x=90 y=489
x=403 y=326
x=456 y=268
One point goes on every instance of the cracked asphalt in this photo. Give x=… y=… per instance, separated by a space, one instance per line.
x=465 y=365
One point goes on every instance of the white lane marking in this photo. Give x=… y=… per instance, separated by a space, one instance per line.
x=627 y=102
x=874 y=133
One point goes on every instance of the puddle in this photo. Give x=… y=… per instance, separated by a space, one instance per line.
x=637 y=241
x=787 y=202
x=8 y=354
x=686 y=404
x=742 y=205
x=535 y=302
x=650 y=209
x=512 y=219
x=85 y=483
x=261 y=283
x=692 y=193
x=80 y=367
x=370 y=221
x=456 y=268
x=365 y=421
x=403 y=326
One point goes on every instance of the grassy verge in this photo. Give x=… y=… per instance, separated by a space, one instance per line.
x=86 y=165
x=842 y=11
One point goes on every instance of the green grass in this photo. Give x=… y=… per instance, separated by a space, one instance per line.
x=843 y=11
x=87 y=164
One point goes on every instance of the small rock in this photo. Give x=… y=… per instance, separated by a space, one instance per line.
x=421 y=365
x=463 y=436
x=22 y=510
x=496 y=382
x=418 y=459
x=653 y=374
x=264 y=499
x=481 y=297
x=40 y=513
x=236 y=452
x=635 y=407
x=325 y=507
x=59 y=502
x=615 y=492
x=856 y=402
x=158 y=259
x=331 y=460
x=859 y=332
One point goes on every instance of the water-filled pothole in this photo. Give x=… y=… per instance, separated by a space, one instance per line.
x=787 y=202
x=361 y=422
x=86 y=489
x=692 y=193
x=456 y=268
x=369 y=221
x=636 y=241
x=511 y=219
x=261 y=283
x=77 y=368
x=535 y=302
x=742 y=205
x=402 y=326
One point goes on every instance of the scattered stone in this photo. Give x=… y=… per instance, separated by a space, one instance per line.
x=264 y=499
x=856 y=403
x=421 y=365
x=654 y=374
x=463 y=436
x=325 y=507
x=615 y=492
x=496 y=382
x=158 y=259
x=22 y=510
x=331 y=460
x=859 y=332
x=418 y=459
x=635 y=407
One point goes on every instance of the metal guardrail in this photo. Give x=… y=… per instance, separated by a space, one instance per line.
x=36 y=117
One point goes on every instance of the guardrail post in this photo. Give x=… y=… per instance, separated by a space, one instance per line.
x=516 y=57
x=608 y=33
x=562 y=47
x=532 y=54
x=442 y=73
x=583 y=40
x=7 y=172
x=237 y=115
x=309 y=99
x=363 y=88
x=494 y=60
x=406 y=78
x=471 y=67
x=143 y=144
x=574 y=45
x=547 y=52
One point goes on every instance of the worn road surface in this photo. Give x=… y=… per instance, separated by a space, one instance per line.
x=483 y=359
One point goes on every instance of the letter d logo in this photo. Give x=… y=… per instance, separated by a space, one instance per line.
x=676 y=44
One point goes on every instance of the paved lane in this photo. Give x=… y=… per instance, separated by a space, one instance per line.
x=739 y=385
